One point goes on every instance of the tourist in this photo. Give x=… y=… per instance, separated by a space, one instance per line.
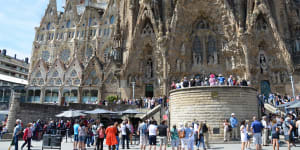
x=27 y=136
x=212 y=80
x=244 y=138
x=131 y=131
x=76 y=137
x=192 y=82
x=101 y=135
x=200 y=137
x=89 y=136
x=187 y=134
x=287 y=130
x=275 y=134
x=181 y=134
x=185 y=82
x=298 y=126
x=206 y=130
x=230 y=81
x=117 y=136
x=142 y=132
x=125 y=131
x=248 y=143
x=152 y=134
x=191 y=139
x=17 y=132
x=94 y=130
x=3 y=131
x=173 y=85
x=265 y=130
x=173 y=134
x=196 y=126
x=234 y=125
x=82 y=131
x=111 y=139
x=221 y=80
x=257 y=128
x=226 y=125
x=163 y=134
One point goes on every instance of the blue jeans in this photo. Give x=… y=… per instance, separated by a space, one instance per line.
x=16 y=139
x=201 y=140
x=117 y=146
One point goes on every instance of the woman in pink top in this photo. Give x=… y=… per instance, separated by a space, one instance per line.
x=27 y=136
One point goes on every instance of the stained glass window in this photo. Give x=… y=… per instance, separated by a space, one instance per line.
x=93 y=73
x=76 y=81
x=48 y=26
x=41 y=82
x=38 y=74
x=69 y=82
x=89 y=52
x=68 y=24
x=73 y=73
x=51 y=82
x=45 y=55
x=197 y=46
x=65 y=55
x=58 y=82
x=33 y=82
x=55 y=74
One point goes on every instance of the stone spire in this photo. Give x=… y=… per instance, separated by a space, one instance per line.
x=14 y=107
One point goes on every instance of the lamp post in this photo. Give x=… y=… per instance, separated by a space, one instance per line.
x=133 y=86
x=293 y=88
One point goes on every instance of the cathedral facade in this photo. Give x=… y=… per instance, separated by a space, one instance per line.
x=98 y=48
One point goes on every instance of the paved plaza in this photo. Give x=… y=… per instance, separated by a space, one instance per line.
x=69 y=146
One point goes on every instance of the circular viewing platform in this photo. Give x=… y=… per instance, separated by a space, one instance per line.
x=213 y=104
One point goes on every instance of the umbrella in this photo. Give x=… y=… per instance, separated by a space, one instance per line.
x=130 y=111
x=70 y=114
x=295 y=105
x=4 y=112
x=100 y=111
x=287 y=104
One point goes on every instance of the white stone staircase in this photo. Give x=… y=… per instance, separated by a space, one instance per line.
x=272 y=109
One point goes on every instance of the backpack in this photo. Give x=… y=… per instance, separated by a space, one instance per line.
x=204 y=128
x=181 y=134
x=144 y=129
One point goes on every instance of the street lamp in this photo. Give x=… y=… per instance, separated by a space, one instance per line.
x=133 y=86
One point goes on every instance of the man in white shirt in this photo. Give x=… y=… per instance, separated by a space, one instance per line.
x=152 y=134
x=125 y=135
x=265 y=131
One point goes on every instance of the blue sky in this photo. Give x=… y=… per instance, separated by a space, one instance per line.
x=17 y=21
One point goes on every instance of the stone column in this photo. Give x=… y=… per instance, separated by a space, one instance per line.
x=14 y=107
x=79 y=95
x=99 y=93
x=60 y=95
x=42 y=95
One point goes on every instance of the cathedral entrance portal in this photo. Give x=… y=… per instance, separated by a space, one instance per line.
x=149 y=90
x=265 y=88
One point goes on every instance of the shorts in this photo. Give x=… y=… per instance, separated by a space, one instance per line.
x=143 y=139
x=163 y=140
x=175 y=143
x=81 y=138
x=257 y=138
x=184 y=142
x=76 y=139
x=152 y=140
x=275 y=136
x=191 y=143
x=288 y=138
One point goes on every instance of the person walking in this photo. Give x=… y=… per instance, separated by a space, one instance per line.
x=200 y=137
x=142 y=132
x=243 y=131
x=173 y=134
x=125 y=131
x=257 y=128
x=111 y=140
x=27 y=136
x=76 y=137
x=275 y=134
x=206 y=131
x=163 y=130
x=186 y=138
x=226 y=130
x=95 y=134
x=191 y=139
x=287 y=130
x=248 y=143
x=234 y=125
x=17 y=132
x=101 y=135
x=152 y=134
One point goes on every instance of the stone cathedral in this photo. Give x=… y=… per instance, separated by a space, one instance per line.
x=97 y=48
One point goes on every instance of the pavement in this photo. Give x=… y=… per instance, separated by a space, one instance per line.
x=37 y=145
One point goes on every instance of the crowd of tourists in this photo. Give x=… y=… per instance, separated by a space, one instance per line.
x=211 y=80
x=277 y=99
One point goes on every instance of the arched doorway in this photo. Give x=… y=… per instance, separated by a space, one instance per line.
x=265 y=88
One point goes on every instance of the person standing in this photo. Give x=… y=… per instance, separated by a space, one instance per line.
x=265 y=131
x=17 y=132
x=173 y=134
x=221 y=80
x=257 y=128
x=163 y=135
x=111 y=139
x=248 y=135
x=152 y=134
x=142 y=132
x=76 y=137
x=94 y=130
x=234 y=125
x=125 y=131
x=230 y=81
x=226 y=130
x=200 y=137
x=82 y=132
x=287 y=130
x=101 y=135
x=191 y=139
x=244 y=138
x=275 y=134
x=27 y=136
x=206 y=131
